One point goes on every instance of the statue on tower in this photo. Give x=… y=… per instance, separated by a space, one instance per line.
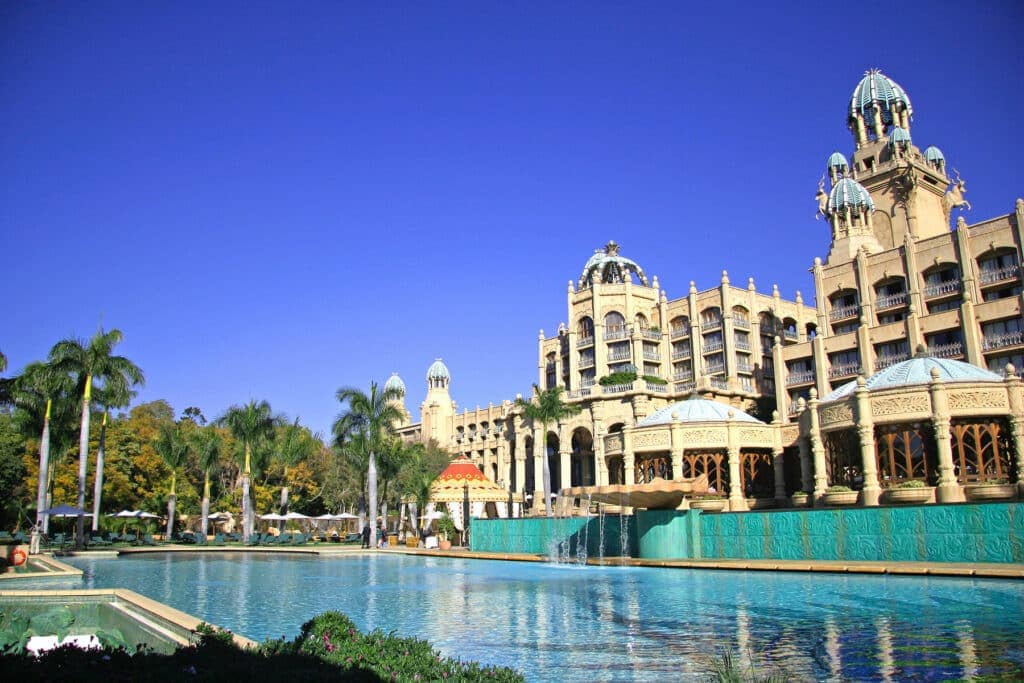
x=954 y=197
x=822 y=198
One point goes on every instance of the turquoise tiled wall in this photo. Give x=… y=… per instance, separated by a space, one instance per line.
x=987 y=532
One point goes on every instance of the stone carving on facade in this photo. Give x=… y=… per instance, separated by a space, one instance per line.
x=822 y=198
x=954 y=197
x=968 y=400
x=750 y=437
x=613 y=443
x=902 y=405
x=837 y=413
x=651 y=439
x=702 y=437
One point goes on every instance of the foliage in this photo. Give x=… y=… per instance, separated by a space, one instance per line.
x=838 y=488
x=446 y=527
x=727 y=669
x=617 y=378
x=910 y=484
x=654 y=379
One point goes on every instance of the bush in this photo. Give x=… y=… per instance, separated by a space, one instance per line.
x=617 y=378
x=654 y=379
x=838 y=489
x=446 y=527
x=910 y=484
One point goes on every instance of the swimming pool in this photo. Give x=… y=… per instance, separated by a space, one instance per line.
x=557 y=622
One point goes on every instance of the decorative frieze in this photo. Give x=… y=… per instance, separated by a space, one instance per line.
x=977 y=398
x=836 y=413
x=651 y=439
x=900 y=405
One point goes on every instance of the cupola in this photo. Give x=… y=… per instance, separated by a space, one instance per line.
x=607 y=266
x=878 y=104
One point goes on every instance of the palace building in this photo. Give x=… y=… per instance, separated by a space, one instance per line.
x=902 y=367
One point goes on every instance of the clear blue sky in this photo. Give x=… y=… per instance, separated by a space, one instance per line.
x=272 y=200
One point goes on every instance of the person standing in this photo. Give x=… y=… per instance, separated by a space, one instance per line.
x=366 y=536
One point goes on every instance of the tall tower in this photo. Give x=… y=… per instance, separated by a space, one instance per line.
x=396 y=384
x=437 y=412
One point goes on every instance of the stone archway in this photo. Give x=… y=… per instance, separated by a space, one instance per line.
x=582 y=466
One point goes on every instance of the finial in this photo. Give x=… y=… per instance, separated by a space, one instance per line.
x=675 y=416
x=861 y=381
x=750 y=284
x=1010 y=370
x=817 y=260
x=725 y=277
x=775 y=416
x=1020 y=205
x=799 y=297
x=654 y=282
x=540 y=335
x=960 y=222
x=664 y=298
x=813 y=393
x=775 y=291
x=693 y=287
x=934 y=372
x=572 y=287
x=921 y=351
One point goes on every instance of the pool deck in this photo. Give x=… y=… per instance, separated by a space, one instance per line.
x=976 y=570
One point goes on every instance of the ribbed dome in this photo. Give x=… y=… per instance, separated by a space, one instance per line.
x=934 y=155
x=849 y=193
x=395 y=382
x=878 y=90
x=438 y=370
x=837 y=160
x=899 y=136
x=917 y=371
x=696 y=409
x=607 y=266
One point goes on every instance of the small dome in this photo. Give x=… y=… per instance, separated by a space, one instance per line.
x=899 y=136
x=849 y=193
x=395 y=382
x=696 y=409
x=934 y=155
x=438 y=370
x=609 y=267
x=916 y=372
x=837 y=160
x=878 y=90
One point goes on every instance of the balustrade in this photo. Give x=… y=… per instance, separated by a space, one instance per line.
x=1002 y=340
x=990 y=275
x=891 y=300
x=799 y=377
x=950 y=350
x=941 y=288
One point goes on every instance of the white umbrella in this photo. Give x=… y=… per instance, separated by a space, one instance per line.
x=219 y=516
x=272 y=517
x=294 y=515
x=148 y=515
x=66 y=511
x=346 y=515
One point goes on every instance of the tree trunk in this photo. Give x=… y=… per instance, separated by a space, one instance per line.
x=547 y=473
x=284 y=505
x=97 y=492
x=371 y=485
x=43 y=519
x=171 y=500
x=83 y=458
x=413 y=521
x=362 y=511
x=206 y=502
x=246 y=504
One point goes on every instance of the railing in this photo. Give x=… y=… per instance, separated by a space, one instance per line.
x=792 y=335
x=683 y=387
x=991 y=275
x=766 y=349
x=741 y=344
x=941 y=288
x=1002 y=340
x=741 y=322
x=950 y=350
x=587 y=362
x=657 y=388
x=882 y=362
x=584 y=341
x=718 y=382
x=712 y=368
x=746 y=384
x=799 y=377
x=615 y=333
x=616 y=388
x=648 y=333
x=844 y=312
x=891 y=300
x=682 y=375
x=678 y=332
x=768 y=385
x=682 y=352
x=711 y=324
x=843 y=370
x=587 y=382
x=650 y=354
x=712 y=346
x=794 y=407
x=744 y=366
x=620 y=355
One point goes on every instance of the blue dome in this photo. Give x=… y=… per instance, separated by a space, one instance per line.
x=438 y=370
x=395 y=382
x=899 y=136
x=696 y=409
x=837 y=160
x=915 y=372
x=849 y=193
x=607 y=266
x=878 y=90
x=934 y=155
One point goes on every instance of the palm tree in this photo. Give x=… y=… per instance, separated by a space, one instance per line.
x=373 y=415
x=115 y=394
x=172 y=447
x=92 y=363
x=293 y=444
x=252 y=425
x=547 y=407
x=206 y=444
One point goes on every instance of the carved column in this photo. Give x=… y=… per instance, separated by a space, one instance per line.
x=1014 y=393
x=779 y=470
x=540 y=451
x=817 y=448
x=564 y=458
x=806 y=465
x=864 y=419
x=948 y=490
x=676 y=441
x=628 y=461
x=736 y=500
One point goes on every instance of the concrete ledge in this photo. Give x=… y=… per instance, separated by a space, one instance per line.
x=44 y=567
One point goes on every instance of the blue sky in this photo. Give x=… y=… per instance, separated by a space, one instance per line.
x=273 y=200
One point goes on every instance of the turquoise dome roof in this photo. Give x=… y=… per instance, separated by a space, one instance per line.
x=438 y=370
x=933 y=154
x=837 y=160
x=899 y=135
x=395 y=382
x=915 y=372
x=607 y=266
x=848 y=192
x=696 y=409
x=878 y=90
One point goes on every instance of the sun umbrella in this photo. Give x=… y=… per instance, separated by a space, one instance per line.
x=272 y=517
x=219 y=517
x=294 y=515
x=67 y=511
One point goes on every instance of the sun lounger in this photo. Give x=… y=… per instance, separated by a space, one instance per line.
x=218 y=539
x=148 y=540
x=199 y=539
x=98 y=541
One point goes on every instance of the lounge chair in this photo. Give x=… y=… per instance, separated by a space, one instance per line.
x=199 y=539
x=218 y=539
x=5 y=537
x=130 y=538
x=148 y=540
x=98 y=541
x=234 y=538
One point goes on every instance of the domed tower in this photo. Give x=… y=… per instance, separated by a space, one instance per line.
x=838 y=167
x=437 y=412
x=849 y=209
x=933 y=155
x=396 y=385
x=878 y=103
x=607 y=266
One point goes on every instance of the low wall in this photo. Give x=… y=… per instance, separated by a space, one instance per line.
x=973 y=532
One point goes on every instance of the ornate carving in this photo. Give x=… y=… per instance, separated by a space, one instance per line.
x=753 y=435
x=979 y=398
x=955 y=195
x=900 y=405
x=702 y=436
x=790 y=434
x=836 y=413
x=650 y=439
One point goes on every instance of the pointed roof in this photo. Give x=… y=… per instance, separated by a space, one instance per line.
x=450 y=485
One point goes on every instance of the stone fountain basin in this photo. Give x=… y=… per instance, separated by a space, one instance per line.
x=659 y=494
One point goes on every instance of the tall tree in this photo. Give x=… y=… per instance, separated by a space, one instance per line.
x=92 y=363
x=422 y=465
x=547 y=407
x=207 y=445
x=374 y=415
x=115 y=394
x=292 y=445
x=171 y=446
x=252 y=425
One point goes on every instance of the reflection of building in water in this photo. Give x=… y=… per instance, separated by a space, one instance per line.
x=895 y=371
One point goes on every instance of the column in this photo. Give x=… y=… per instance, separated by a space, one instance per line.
x=806 y=467
x=866 y=437
x=1013 y=390
x=736 y=501
x=677 y=449
x=540 y=451
x=564 y=457
x=817 y=448
x=779 y=470
x=629 y=462
x=948 y=490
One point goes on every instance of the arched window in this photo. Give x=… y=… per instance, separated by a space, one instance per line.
x=679 y=326
x=585 y=327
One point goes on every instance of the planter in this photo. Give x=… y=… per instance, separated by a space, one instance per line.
x=840 y=497
x=990 y=491
x=800 y=500
x=444 y=544
x=909 y=496
x=708 y=504
x=761 y=503
x=412 y=542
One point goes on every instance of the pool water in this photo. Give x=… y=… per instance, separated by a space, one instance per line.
x=558 y=622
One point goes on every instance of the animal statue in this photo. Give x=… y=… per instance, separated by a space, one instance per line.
x=822 y=198
x=954 y=197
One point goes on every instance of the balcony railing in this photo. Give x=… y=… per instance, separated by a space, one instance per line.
x=950 y=350
x=678 y=332
x=648 y=333
x=741 y=322
x=616 y=388
x=587 y=362
x=657 y=388
x=587 y=382
x=651 y=354
x=741 y=345
x=768 y=385
x=843 y=370
x=712 y=368
x=744 y=366
x=1002 y=340
x=585 y=341
x=882 y=362
x=682 y=375
x=712 y=346
x=843 y=312
x=620 y=355
x=791 y=335
x=989 y=276
x=615 y=333
x=682 y=352
x=941 y=289
x=711 y=324
x=682 y=387
x=799 y=377
x=891 y=300
x=746 y=384
x=718 y=382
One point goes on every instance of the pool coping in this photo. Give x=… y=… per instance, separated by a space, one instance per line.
x=52 y=568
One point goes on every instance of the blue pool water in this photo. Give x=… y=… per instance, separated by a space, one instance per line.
x=556 y=622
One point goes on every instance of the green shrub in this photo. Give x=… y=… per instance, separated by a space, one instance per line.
x=446 y=527
x=910 y=484
x=654 y=379
x=838 y=488
x=617 y=378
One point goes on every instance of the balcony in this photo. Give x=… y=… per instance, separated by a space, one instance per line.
x=587 y=382
x=740 y=322
x=991 y=276
x=790 y=335
x=741 y=344
x=940 y=289
x=891 y=301
x=744 y=366
x=682 y=375
x=586 y=362
x=843 y=312
x=712 y=346
x=720 y=383
x=619 y=355
x=584 y=341
x=651 y=354
x=950 y=350
x=712 y=368
x=1001 y=340
x=657 y=388
x=620 y=332
x=799 y=377
x=711 y=324
x=616 y=388
x=746 y=384
x=683 y=387
x=768 y=385
x=679 y=332
x=882 y=362
x=682 y=352
x=844 y=370
x=647 y=333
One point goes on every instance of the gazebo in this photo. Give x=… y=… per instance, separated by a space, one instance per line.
x=486 y=499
